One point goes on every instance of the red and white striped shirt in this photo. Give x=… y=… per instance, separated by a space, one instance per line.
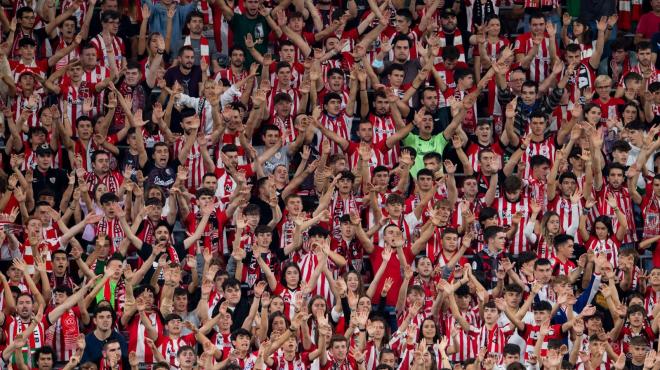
x=14 y=325
x=341 y=125
x=546 y=148
x=137 y=336
x=493 y=340
x=609 y=246
x=102 y=52
x=169 y=347
x=467 y=341
x=540 y=67
x=624 y=203
x=194 y=162
x=384 y=127
x=506 y=210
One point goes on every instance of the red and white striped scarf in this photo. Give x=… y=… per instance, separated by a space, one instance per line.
x=63 y=335
x=112 y=228
x=629 y=11
x=457 y=42
x=203 y=47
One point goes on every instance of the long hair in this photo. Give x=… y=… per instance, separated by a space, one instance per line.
x=549 y=238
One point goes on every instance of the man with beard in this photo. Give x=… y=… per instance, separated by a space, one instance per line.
x=104 y=332
x=236 y=70
x=401 y=45
x=163 y=237
x=186 y=73
x=203 y=48
x=252 y=23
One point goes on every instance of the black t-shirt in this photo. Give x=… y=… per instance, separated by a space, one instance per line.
x=54 y=179
x=189 y=82
x=147 y=250
x=163 y=177
x=484 y=181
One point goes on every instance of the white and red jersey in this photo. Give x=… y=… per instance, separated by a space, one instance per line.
x=300 y=362
x=138 y=333
x=73 y=54
x=230 y=75
x=506 y=210
x=194 y=162
x=341 y=125
x=493 y=340
x=540 y=67
x=562 y=268
x=222 y=32
x=653 y=77
x=537 y=190
x=75 y=98
x=457 y=42
x=37 y=67
x=44 y=248
x=111 y=227
x=546 y=148
x=624 y=203
x=384 y=127
x=531 y=335
x=94 y=76
x=651 y=299
x=20 y=103
x=292 y=92
x=474 y=149
x=609 y=246
x=14 y=326
x=112 y=180
x=226 y=184
x=563 y=207
x=62 y=336
x=168 y=347
x=466 y=341
x=287 y=130
x=379 y=154
x=102 y=52
x=79 y=14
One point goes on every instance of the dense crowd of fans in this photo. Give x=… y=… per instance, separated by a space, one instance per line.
x=330 y=184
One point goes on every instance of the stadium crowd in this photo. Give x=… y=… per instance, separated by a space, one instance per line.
x=330 y=184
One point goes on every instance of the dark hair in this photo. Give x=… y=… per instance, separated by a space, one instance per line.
x=621 y=145
x=97 y=153
x=491 y=231
x=450 y=52
x=512 y=184
x=100 y=309
x=109 y=15
x=560 y=239
x=21 y=11
x=194 y=14
x=45 y=350
x=282 y=97
x=643 y=45
x=399 y=37
x=542 y=306
x=231 y=282
x=615 y=166
x=184 y=49
x=511 y=349
x=109 y=197
x=538 y=160
x=396 y=67
x=607 y=222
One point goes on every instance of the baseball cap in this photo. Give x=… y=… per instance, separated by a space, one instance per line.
x=447 y=12
x=44 y=149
